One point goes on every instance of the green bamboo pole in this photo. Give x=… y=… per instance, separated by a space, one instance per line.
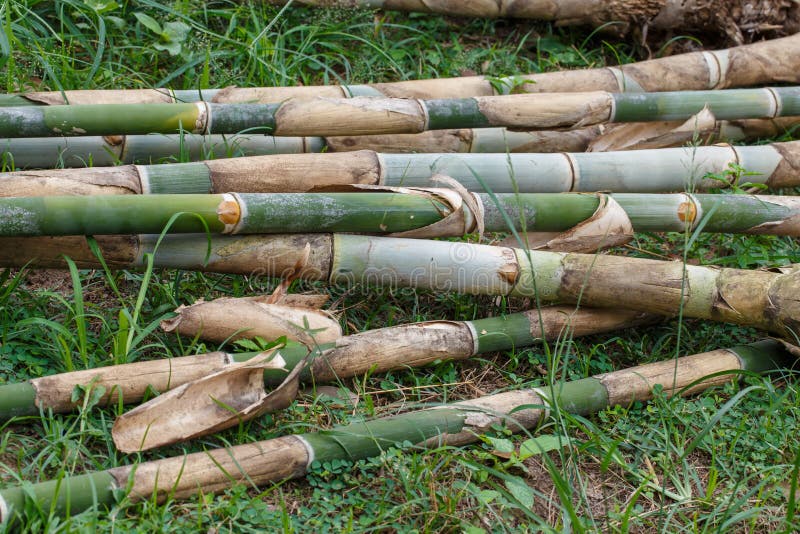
x=95 y=151
x=675 y=169
x=454 y=424
x=376 y=115
x=733 y=19
x=425 y=212
x=762 y=299
x=761 y=63
x=411 y=345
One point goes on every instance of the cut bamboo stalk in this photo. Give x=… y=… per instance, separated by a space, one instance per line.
x=762 y=63
x=377 y=115
x=453 y=424
x=52 y=152
x=411 y=345
x=410 y=212
x=766 y=300
x=674 y=169
x=734 y=19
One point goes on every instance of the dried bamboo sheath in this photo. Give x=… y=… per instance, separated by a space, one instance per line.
x=420 y=213
x=454 y=424
x=96 y=151
x=762 y=63
x=766 y=300
x=375 y=115
x=675 y=169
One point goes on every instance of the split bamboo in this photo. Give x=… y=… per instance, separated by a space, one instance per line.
x=672 y=169
x=762 y=63
x=405 y=346
x=737 y=20
x=453 y=424
x=763 y=299
x=408 y=212
x=324 y=116
x=55 y=152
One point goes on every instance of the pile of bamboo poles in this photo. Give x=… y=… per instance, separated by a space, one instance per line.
x=556 y=160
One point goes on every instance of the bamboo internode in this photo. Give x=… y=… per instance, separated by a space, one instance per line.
x=763 y=63
x=454 y=424
x=323 y=116
x=675 y=169
x=766 y=300
x=409 y=212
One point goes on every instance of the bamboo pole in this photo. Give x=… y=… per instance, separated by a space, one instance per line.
x=766 y=300
x=410 y=212
x=733 y=19
x=95 y=151
x=674 y=169
x=377 y=115
x=453 y=424
x=411 y=345
x=762 y=63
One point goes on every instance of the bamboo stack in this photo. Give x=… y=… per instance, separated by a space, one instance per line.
x=250 y=216
x=454 y=424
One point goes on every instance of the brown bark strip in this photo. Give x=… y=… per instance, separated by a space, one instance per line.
x=122 y=180
x=394 y=347
x=660 y=134
x=655 y=284
x=483 y=414
x=256 y=256
x=300 y=173
x=229 y=319
x=430 y=141
x=104 y=96
x=577 y=322
x=352 y=116
x=787 y=174
x=636 y=383
x=213 y=471
x=128 y=381
x=568 y=110
x=272 y=95
x=119 y=251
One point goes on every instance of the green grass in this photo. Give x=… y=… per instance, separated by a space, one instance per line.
x=723 y=461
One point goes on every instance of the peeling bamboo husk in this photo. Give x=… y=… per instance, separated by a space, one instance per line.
x=762 y=63
x=453 y=424
x=323 y=116
x=404 y=212
x=55 y=152
x=411 y=345
x=736 y=20
x=253 y=317
x=673 y=169
x=766 y=300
